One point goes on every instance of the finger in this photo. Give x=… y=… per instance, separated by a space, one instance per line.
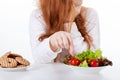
x=71 y=51
x=55 y=43
x=71 y=46
x=60 y=41
x=65 y=41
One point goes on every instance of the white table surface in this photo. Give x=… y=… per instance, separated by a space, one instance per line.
x=57 y=71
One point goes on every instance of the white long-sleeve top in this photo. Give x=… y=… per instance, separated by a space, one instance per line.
x=42 y=52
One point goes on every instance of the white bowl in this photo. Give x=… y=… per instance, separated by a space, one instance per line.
x=86 y=70
x=14 y=69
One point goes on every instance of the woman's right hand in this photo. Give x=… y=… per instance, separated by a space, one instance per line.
x=61 y=40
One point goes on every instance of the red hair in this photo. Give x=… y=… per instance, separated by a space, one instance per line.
x=55 y=13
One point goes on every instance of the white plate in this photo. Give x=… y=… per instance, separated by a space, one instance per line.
x=88 y=70
x=14 y=69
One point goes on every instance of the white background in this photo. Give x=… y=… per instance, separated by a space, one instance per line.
x=14 y=19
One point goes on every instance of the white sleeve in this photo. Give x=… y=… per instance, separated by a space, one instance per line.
x=92 y=26
x=41 y=51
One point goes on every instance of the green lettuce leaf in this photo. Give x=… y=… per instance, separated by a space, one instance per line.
x=84 y=64
x=89 y=54
x=98 y=54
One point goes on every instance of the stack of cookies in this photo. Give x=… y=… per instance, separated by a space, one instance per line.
x=12 y=60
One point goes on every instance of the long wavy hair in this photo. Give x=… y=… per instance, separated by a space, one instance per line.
x=56 y=13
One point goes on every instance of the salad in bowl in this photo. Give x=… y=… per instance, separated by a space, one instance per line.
x=88 y=61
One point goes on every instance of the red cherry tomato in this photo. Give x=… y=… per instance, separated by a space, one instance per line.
x=94 y=63
x=74 y=62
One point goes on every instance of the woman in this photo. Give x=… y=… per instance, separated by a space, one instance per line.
x=59 y=27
